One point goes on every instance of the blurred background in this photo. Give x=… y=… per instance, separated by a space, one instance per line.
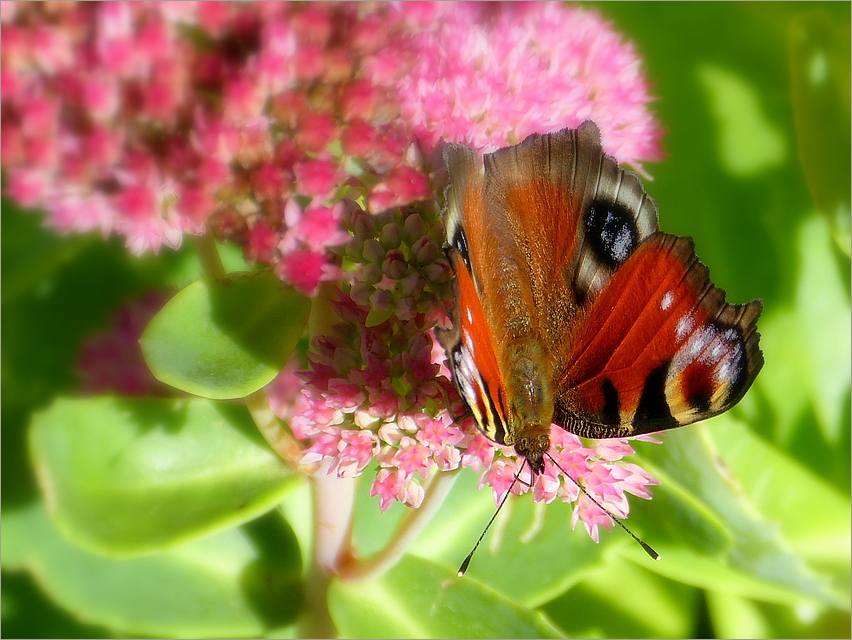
x=755 y=99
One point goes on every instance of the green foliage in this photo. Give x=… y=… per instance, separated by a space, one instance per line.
x=156 y=517
x=447 y=607
x=128 y=476
x=239 y=582
x=225 y=338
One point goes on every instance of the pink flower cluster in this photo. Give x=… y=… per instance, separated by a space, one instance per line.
x=153 y=120
x=253 y=120
x=490 y=74
x=111 y=361
x=309 y=134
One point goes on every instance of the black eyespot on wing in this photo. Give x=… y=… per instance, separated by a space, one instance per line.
x=611 y=232
x=653 y=407
x=612 y=405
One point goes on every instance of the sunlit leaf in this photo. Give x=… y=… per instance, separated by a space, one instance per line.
x=418 y=599
x=760 y=563
x=623 y=600
x=239 y=582
x=531 y=554
x=225 y=338
x=127 y=475
x=819 y=47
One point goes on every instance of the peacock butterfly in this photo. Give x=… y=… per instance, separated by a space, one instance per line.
x=572 y=308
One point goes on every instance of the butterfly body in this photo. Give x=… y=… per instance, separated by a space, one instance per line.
x=572 y=308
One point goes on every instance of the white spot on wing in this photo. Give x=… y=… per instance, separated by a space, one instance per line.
x=684 y=327
x=667 y=300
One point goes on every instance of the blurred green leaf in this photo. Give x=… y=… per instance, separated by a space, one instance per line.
x=748 y=143
x=124 y=476
x=820 y=71
x=760 y=563
x=30 y=253
x=29 y=613
x=529 y=555
x=807 y=344
x=239 y=582
x=225 y=338
x=418 y=599
x=623 y=600
x=678 y=516
x=736 y=617
x=814 y=517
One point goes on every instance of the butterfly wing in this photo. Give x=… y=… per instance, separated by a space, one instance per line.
x=575 y=214
x=571 y=304
x=470 y=343
x=658 y=348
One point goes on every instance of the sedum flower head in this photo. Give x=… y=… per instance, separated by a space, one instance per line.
x=310 y=135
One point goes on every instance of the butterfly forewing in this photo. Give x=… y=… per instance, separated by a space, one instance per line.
x=470 y=344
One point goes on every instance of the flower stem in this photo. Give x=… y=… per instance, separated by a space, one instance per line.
x=333 y=508
x=323 y=315
x=208 y=255
x=276 y=434
x=409 y=529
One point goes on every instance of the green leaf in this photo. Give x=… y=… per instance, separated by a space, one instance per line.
x=736 y=617
x=748 y=141
x=677 y=516
x=124 y=476
x=760 y=563
x=418 y=599
x=733 y=616
x=813 y=516
x=808 y=343
x=529 y=555
x=622 y=600
x=240 y=582
x=225 y=338
x=31 y=254
x=819 y=47
x=29 y=613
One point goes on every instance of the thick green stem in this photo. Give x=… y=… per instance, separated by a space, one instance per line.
x=333 y=508
x=277 y=435
x=208 y=255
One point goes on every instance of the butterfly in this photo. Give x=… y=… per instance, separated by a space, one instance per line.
x=572 y=308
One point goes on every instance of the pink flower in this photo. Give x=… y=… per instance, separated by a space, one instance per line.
x=111 y=361
x=411 y=458
x=387 y=487
x=560 y=65
x=316 y=177
x=318 y=152
x=239 y=131
x=304 y=268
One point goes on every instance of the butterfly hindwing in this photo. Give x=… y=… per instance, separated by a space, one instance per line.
x=658 y=348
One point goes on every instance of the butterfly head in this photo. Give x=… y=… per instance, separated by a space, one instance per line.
x=532 y=443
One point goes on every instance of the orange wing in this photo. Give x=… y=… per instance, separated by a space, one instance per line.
x=658 y=348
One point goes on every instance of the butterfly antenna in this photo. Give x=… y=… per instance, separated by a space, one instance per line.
x=648 y=549
x=467 y=560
